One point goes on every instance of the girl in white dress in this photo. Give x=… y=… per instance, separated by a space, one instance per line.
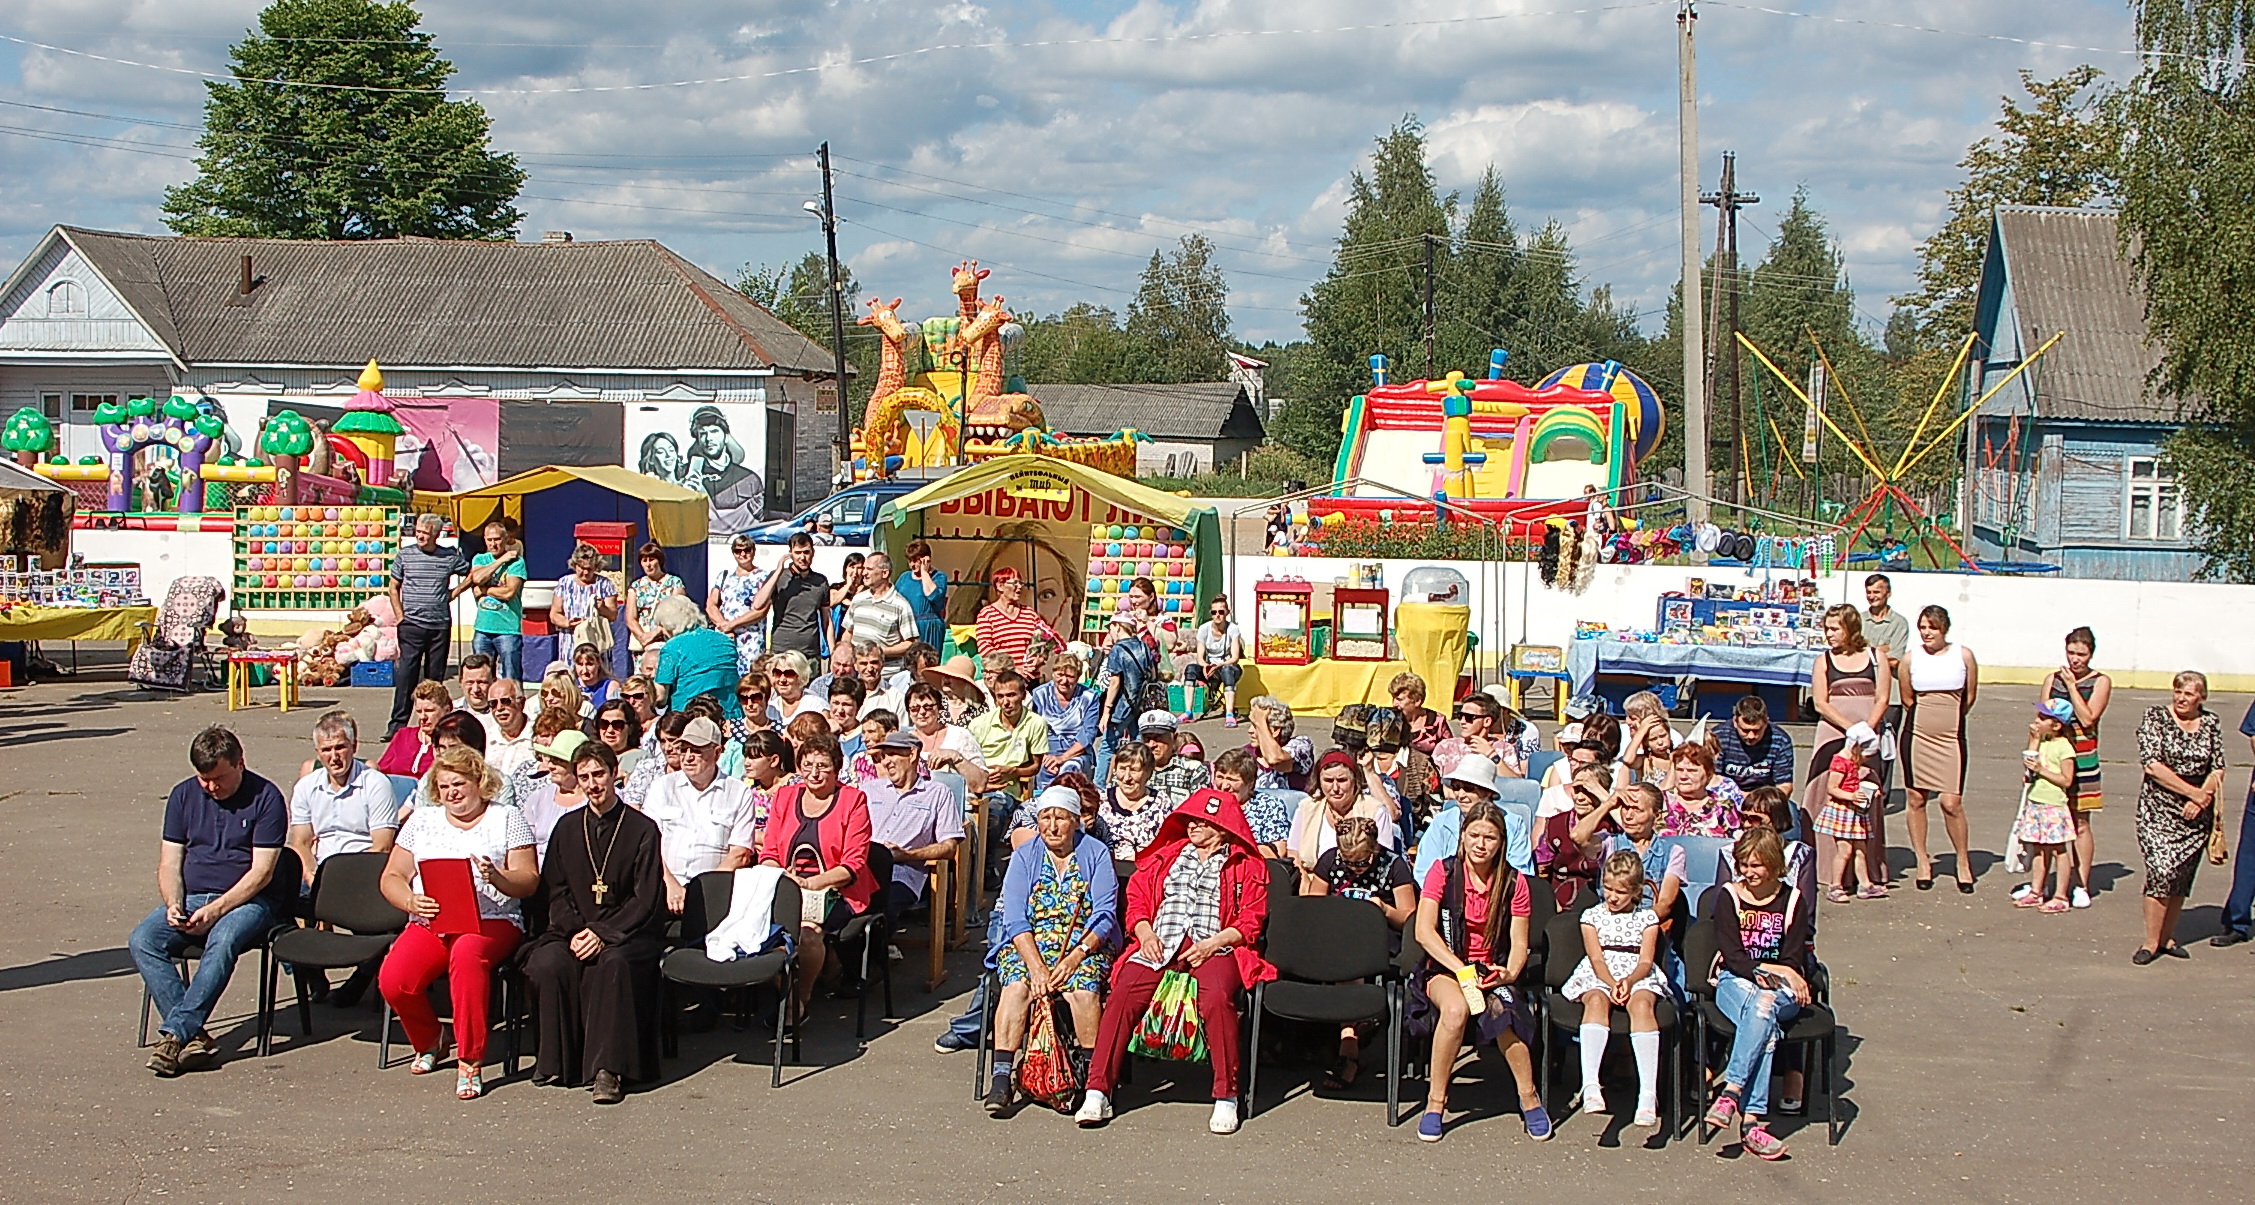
x=1622 y=969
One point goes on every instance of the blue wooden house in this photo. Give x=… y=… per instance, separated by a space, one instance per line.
x=2063 y=465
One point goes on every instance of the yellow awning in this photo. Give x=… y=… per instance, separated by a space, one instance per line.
x=678 y=516
x=1119 y=491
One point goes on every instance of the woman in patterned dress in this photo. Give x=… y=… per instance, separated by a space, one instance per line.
x=1060 y=920
x=730 y=604
x=645 y=592
x=2181 y=746
x=2087 y=692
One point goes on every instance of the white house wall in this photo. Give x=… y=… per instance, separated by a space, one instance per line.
x=102 y=323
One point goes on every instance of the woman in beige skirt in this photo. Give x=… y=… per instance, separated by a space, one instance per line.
x=1939 y=681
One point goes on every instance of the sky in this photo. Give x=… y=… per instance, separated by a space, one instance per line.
x=1062 y=142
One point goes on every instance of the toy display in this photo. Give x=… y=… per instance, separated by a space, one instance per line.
x=1283 y=627
x=80 y=586
x=1784 y=613
x=313 y=558
x=1120 y=553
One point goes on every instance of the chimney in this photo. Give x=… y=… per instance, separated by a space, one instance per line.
x=244 y=289
x=555 y=236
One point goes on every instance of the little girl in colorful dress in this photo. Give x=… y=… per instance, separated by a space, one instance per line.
x=1846 y=817
x=1622 y=969
x=2045 y=825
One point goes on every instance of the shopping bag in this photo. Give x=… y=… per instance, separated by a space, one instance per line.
x=2016 y=854
x=1045 y=1073
x=1171 y=1028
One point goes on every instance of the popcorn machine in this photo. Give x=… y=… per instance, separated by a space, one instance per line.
x=1283 y=630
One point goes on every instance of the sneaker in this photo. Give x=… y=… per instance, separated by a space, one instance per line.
x=1224 y=1120
x=1429 y=1128
x=2079 y=898
x=165 y=1059
x=1095 y=1110
x=998 y=1093
x=2024 y=890
x=1537 y=1121
x=893 y=954
x=198 y=1052
x=1230 y=721
x=1762 y=1144
x=1723 y=1112
x=948 y=1043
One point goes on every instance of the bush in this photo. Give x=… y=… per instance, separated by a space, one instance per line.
x=1407 y=538
x=1268 y=471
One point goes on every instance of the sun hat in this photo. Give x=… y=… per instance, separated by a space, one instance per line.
x=565 y=745
x=1862 y=737
x=1474 y=772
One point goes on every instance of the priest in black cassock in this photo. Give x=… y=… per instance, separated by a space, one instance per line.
x=594 y=970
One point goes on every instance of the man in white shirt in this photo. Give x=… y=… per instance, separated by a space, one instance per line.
x=477 y=690
x=343 y=807
x=879 y=615
x=705 y=820
x=508 y=741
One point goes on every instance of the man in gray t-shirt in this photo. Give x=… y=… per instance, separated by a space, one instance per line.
x=421 y=588
x=797 y=599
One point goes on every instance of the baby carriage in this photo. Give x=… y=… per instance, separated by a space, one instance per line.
x=168 y=659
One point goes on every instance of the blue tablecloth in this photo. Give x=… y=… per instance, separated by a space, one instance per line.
x=1585 y=659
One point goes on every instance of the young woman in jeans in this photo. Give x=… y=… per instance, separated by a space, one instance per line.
x=1762 y=929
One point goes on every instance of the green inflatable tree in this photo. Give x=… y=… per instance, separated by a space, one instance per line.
x=27 y=434
x=287 y=434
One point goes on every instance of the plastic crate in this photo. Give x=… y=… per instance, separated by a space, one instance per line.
x=372 y=673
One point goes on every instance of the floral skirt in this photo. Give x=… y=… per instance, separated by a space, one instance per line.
x=1056 y=911
x=2043 y=824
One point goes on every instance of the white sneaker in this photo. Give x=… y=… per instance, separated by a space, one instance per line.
x=2080 y=898
x=893 y=954
x=1094 y=1110
x=1225 y=1118
x=2023 y=891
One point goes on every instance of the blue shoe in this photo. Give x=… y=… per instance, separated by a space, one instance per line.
x=1538 y=1123
x=948 y=1043
x=1429 y=1128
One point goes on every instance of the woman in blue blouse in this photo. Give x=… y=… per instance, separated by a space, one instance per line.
x=1060 y=921
x=925 y=590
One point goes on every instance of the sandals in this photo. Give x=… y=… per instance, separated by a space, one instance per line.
x=2053 y=907
x=424 y=1063
x=1872 y=891
x=1342 y=1075
x=2030 y=900
x=1838 y=895
x=469 y=1082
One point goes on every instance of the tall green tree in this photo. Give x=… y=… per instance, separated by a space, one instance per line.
x=800 y=295
x=338 y=127
x=1178 y=324
x=1084 y=345
x=2188 y=222
x=1479 y=280
x=2061 y=149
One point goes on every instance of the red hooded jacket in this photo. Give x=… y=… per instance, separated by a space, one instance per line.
x=1244 y=877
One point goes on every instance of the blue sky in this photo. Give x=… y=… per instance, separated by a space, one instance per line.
x=1062 y=142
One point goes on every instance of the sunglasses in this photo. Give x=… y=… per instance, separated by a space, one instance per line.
x=748 y=698
x=608 y=725
x=780 y=672
x=636 y=696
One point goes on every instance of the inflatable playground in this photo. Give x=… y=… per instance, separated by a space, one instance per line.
x=1492 y=446
x=943 y=397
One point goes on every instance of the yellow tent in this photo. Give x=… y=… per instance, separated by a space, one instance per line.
x=678 y=516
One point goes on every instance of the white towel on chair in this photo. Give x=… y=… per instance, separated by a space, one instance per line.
x=749 y=928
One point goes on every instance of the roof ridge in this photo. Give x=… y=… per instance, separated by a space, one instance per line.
x=689 y=274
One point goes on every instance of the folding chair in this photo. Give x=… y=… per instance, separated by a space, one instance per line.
x=874 y=930
x=709 y=898
x=1562 y=1016
x=287 y=869
x=1323 y=948
x=360 y=925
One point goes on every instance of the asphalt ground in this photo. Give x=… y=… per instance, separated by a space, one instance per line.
x=1990 y=1053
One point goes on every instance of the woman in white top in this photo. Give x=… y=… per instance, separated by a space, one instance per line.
x=1939 y=682
x=498 y=845
x=1220 y=647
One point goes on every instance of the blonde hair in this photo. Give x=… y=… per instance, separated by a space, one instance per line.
x=1760 y=845
x=558 y=689
x=470 y=764
x=2190 y=677
x=1624 y=866
x=1358 y=838
x=1852 y=625
x=1409 y=682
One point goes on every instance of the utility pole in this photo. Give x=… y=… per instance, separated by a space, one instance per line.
x=1694 y=308
x=1429 y=240
x=1727 y=202
x=837 y=315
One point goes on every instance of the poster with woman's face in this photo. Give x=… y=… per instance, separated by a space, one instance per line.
x=708 y=447
x=1045 y=539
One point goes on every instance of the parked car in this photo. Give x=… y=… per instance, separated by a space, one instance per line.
x=852 y=511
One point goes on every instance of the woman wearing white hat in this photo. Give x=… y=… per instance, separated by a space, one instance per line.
x=1472 y=780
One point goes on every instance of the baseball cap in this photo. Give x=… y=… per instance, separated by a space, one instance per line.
x=565 y=746
x=1156 y=721
x=2058 y=709
x=902 y=740
x=701 y=732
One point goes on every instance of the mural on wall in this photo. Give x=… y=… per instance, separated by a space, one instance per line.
x=450 y=443
x=709 y=447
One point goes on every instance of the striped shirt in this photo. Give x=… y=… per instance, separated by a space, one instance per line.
x=423 y=579
x=883 y=620
x=1012 y=636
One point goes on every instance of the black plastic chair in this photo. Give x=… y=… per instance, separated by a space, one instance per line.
x=874 y=930
x=287 y=869
x=1563 y=951
x=1815 y=1025
x=710 y=895
x=347 y=897
x=1321 y=947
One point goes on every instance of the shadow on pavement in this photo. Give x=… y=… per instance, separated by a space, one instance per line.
x=90 y=964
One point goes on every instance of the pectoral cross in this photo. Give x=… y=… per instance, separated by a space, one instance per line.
x=601 y=891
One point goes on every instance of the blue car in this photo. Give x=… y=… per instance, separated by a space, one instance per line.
x=852 y=512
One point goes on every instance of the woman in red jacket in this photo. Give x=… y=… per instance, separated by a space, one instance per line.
x=1196 y=903
x=818 y=832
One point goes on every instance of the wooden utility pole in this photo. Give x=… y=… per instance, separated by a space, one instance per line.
x=1727 y=202
x=1429 y=240
x=1694 y=307
x=841 y=450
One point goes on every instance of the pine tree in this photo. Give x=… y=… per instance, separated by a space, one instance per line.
x=338 y=127
x=1178 y=324
x=1478 y=286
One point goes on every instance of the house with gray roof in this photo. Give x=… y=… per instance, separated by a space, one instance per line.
x=2063 y=466
x=502 y=356
x=1190 y=428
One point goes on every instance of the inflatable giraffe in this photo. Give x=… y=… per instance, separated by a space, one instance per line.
x=989 y=412
x=882 y=429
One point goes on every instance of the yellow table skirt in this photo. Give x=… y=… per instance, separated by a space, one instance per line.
x=76 y=623
x=1322 y=687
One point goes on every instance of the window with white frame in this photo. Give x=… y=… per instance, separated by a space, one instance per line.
x=65 y=299
x=2153 y=508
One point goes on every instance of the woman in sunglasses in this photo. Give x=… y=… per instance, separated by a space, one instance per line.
x=620 y=731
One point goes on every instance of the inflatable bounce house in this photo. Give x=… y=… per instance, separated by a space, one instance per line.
x=1493 y=446
x=185 y=479
x=951 y=368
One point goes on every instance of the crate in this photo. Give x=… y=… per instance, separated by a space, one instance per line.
x=372 y=673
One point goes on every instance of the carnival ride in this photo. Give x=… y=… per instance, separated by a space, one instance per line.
x=951 y=368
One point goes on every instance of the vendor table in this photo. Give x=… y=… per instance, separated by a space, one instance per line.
x=1585 y=659
x=284 y=665
x=1323 y=687
x=129 y=624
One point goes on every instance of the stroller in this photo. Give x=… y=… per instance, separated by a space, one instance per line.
x=168 y=659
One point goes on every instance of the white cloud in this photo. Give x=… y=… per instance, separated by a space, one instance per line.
x=1064 y=165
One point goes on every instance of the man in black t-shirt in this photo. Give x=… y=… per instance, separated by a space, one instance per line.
x=797 y=600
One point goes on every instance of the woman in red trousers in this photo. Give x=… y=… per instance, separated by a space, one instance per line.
x=1196 y=903
x=498 y=845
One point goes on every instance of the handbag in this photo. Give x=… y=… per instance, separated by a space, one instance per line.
x=2218 y=854
x=1171 y=1028
x=1045 y=1071
x=594 y=630
x=2016 y=854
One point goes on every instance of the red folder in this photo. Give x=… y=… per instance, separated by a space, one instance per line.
x=447 y=880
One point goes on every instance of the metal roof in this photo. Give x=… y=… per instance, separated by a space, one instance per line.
x=1200 y=410
x=2066 y=272
x=630 y=304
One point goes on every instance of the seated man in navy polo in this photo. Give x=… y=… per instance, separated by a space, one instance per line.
x=223 y=831
x=1753 y=752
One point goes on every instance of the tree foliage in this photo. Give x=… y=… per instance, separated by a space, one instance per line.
x=338 y=127
x=286 y=434
x=1085 y=345
x=1178 y=324
x=2188 y=222
x=28 y=430
x=799 y=294
x=2061 y=149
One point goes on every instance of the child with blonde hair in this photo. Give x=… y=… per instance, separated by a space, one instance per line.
x=1621 y=970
